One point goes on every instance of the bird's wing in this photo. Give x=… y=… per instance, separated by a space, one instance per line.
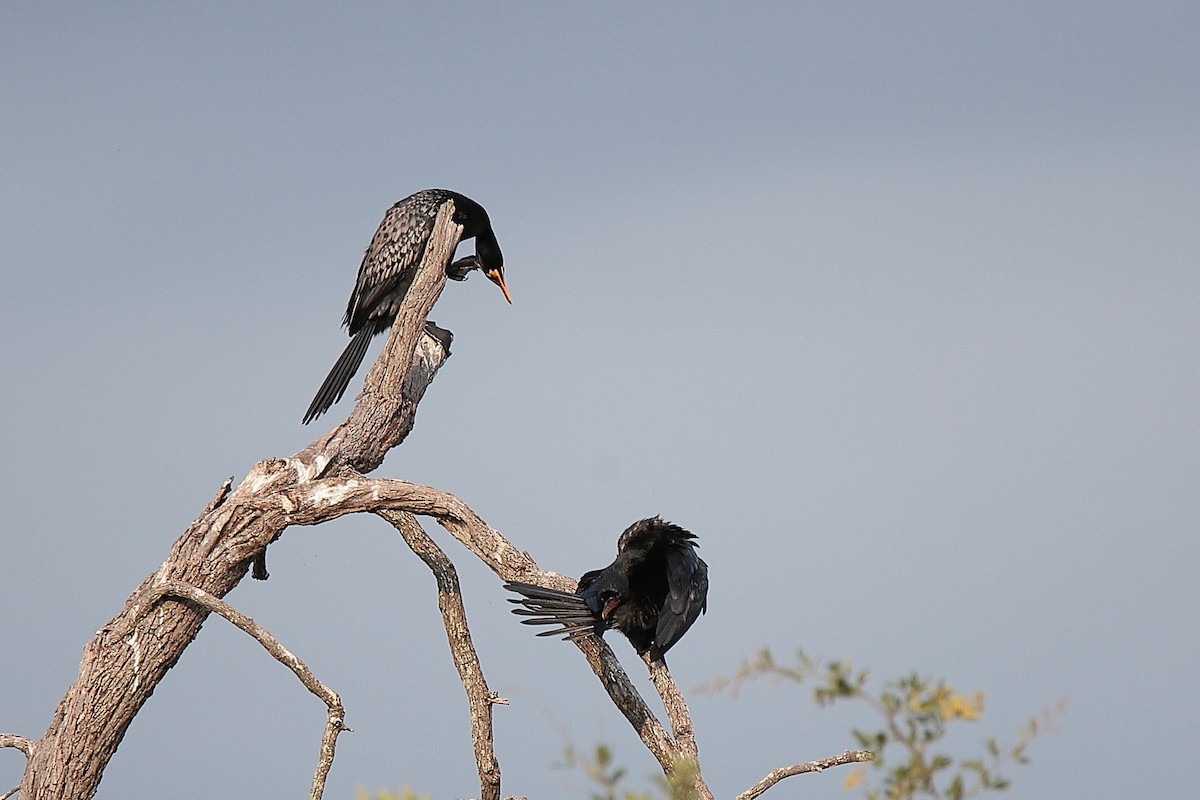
x=394 y=253
x=687 y=597
x=551 y=607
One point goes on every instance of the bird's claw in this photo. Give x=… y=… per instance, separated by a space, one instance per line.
x=459 y=270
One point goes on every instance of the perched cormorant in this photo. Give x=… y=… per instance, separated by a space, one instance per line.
x=388 y=269
x=652 y=592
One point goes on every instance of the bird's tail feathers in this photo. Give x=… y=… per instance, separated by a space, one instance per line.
x=551 y=607
x=339 y=377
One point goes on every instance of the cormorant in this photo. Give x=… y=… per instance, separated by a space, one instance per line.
x=388 y=269
x=652 y=592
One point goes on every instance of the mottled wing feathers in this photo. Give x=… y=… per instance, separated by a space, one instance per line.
x=387 y=273
x=395 y=251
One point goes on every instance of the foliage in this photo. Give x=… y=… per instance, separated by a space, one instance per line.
x=600 y=769
x=909 y=746
x=405 y=793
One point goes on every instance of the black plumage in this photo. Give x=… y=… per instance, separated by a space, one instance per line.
x=387 y=272
x=653 y=592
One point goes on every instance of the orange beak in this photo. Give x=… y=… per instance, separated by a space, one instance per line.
x=497 y=277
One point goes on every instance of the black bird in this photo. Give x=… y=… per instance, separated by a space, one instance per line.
x=388 y=269
x=652 y=592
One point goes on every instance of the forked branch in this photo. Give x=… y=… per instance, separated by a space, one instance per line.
x=321 y=500
x=128 y=657
x=335 y=714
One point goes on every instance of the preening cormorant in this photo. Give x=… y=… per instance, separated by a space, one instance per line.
x=388 y=269
x=652 y=592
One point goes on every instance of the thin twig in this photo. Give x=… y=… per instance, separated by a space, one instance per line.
x=775 y=776
x=335 y=716
x=466 y=659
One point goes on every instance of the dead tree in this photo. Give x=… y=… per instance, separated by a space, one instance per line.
x=128 y=657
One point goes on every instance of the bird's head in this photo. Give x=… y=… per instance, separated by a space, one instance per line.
x=644 y=535
x=491 y=260
x=604 y=590
x=609 y=601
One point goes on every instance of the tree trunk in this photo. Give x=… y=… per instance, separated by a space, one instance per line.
x=128 y=657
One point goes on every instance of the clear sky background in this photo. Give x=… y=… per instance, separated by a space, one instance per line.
x=895 y=305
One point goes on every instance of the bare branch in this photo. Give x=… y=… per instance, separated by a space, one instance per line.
x=319 y=501
x=775 y=776
x=386 y=408
x=128 y=657
x=222 y=493
x=20 y=742
x=466 y=660
x=679 y=716
x=335 y=715
x=621 y=691
x=675 y=706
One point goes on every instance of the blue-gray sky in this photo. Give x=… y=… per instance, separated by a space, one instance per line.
x=895 y=305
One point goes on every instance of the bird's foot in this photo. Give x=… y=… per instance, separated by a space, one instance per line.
x=459 y=270
x=443 y=336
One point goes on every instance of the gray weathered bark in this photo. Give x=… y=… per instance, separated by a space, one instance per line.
x=127 y=658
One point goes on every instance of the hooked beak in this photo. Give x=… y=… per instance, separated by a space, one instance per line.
x=609 y=608
x=497 y=277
